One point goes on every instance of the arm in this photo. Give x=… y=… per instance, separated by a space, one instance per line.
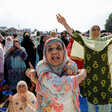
x=23 y=54
x=59 y=89
x=53 y=87
x=1 y=54
x=10 y=106
x=69 y=47
x=58 y=84
x=73 y=34
x=62 y=21
x=29 y=109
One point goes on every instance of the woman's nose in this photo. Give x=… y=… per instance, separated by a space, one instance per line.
x=54 y=50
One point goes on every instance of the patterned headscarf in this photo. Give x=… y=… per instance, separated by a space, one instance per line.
x=56 y=69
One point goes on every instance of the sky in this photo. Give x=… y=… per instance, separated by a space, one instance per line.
x=41 y=14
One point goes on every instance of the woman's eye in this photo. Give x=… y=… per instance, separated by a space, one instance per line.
x=59 y=48
x=50 y=49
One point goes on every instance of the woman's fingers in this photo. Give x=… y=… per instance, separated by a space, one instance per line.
x=28 y=72
x=31 y=66
x=10 y=98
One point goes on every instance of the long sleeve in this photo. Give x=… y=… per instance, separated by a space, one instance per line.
x=23 y=54
x=29 y=109
x=1 y=61
x=56 y=88
x=69 y=47
x=10 y=108
x=77 y=37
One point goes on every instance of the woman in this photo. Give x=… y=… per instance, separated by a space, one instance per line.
x=40 y=47
x=57 y=84
x=15 y=61
x=30 y=49
x=1 y=68
x=64 y=38
x=98 y=62
x=23 y=100
x=8 y=43
x=53 y=34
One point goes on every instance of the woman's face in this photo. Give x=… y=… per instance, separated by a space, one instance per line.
x=26 y=34
x=15 y=42
x=53 y=34
x=44 y=39
x=21 y=89
x=8 y=39
x=95 y=32
x=55 y=53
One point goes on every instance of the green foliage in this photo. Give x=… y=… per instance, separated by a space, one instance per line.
x=38 y=33
x=108 y=25
x=4 y=33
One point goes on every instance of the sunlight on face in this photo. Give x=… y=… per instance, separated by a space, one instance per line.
x=95 y=32
x=55 y=53
x=21 y=89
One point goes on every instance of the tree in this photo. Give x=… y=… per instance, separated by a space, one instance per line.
x=108 y=25
x=4 y=33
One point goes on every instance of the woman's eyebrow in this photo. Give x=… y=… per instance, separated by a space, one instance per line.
x=58 y=44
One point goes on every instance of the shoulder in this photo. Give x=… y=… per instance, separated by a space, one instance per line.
x=31 y=95
x=42 y=67
x=71 y=64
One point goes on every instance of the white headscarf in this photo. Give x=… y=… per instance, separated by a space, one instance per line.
x=22 y=83
x=8 y=44
x=96 y=44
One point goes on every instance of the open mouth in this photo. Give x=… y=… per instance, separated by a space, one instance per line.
x=55 y=58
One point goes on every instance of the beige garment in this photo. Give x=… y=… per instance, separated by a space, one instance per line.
x=110 y=61
x=77 y=51
x=18 y=106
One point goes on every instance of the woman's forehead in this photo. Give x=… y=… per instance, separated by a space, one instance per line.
x=96 y=26
x=21 y=85
x=55 y=43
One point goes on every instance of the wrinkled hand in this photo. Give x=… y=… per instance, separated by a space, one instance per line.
x=22 y=97
x=11 y=98
x=61 y=19
x=82 y=74
x=11 y=49
x=18 y=46
x=31 y=73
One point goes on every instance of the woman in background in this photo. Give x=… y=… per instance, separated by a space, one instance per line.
x=15 y=61
x=23 y=100
x=40 y=47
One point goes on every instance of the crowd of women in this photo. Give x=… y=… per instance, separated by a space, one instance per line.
x=50 y=74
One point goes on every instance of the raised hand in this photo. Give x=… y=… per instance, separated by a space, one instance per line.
x=61 y=19
x=82 y=74
x=31 y=73
x=22 y=97
x=18 y=46
x=10 y=98
x=11 y=49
